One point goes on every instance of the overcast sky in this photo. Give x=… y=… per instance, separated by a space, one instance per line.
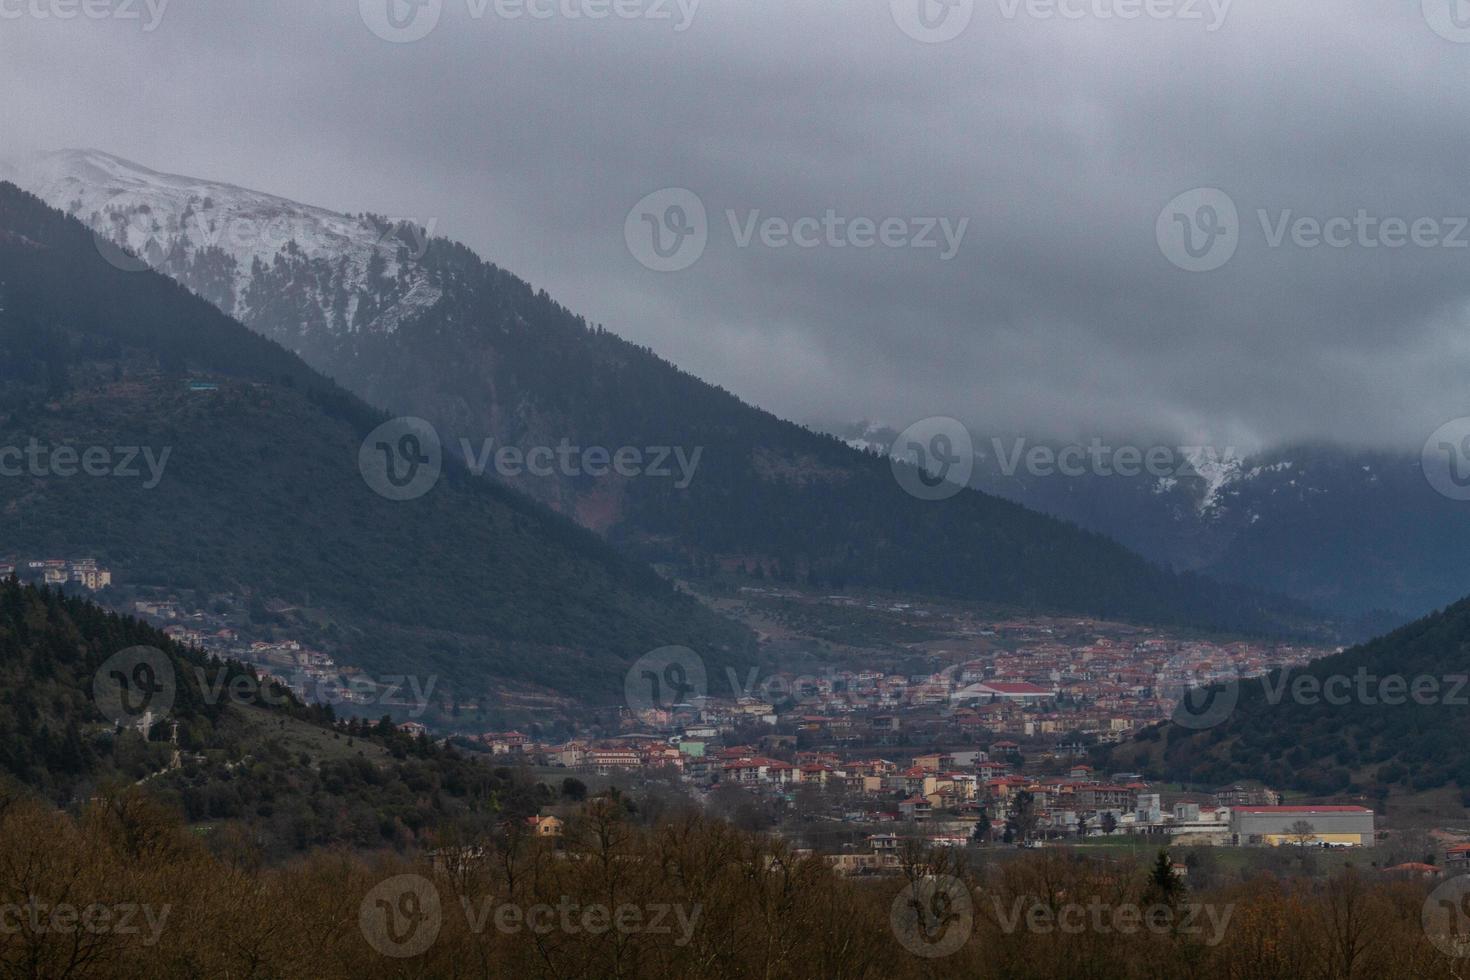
x=1055 y=142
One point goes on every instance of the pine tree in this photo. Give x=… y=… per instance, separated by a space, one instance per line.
x=1163 y=884
x=981 y=834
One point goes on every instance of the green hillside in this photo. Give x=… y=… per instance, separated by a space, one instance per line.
x=291 y=773
x=1390 y=716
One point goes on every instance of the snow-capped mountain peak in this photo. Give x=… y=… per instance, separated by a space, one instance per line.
x=353 y=272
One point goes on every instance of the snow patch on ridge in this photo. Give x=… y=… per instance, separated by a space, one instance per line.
x=156 y=215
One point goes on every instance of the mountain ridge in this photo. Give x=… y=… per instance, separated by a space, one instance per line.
x=491 y=357
x=473 y=582
x=1288 y=519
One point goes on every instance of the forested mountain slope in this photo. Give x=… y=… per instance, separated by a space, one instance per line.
x=262 y=493
x=422 y=326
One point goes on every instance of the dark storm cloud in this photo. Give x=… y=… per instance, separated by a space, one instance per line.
x=1058 y=139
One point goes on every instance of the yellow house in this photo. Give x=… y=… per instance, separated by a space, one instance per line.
x=545 y=826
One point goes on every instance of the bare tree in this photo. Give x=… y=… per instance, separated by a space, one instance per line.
x=1302 y=834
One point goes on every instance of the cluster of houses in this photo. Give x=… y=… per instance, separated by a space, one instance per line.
x=1097 y=691
x=948 y=794
x=1124 y=673
x=82 y=572
x=311 y=675
x=973 y=741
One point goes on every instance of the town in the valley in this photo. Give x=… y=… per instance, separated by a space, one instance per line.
x=959 y=729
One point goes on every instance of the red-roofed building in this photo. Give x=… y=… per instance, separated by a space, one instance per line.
x=991 y=770
x=815 y=772
x=1413 y=869
x=504 y=743
x=659 y=756
x=606 y=761
x=735 y=752
x=1004 y=786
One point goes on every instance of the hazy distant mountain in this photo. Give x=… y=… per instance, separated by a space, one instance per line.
x=1359 y=533
x=422 y=326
